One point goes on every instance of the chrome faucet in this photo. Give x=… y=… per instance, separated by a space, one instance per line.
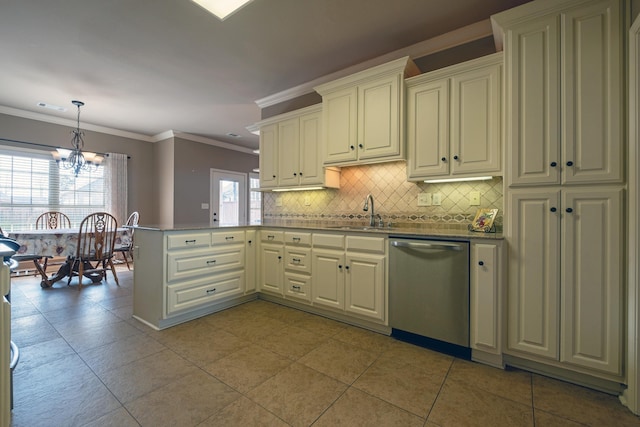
x=365 y=208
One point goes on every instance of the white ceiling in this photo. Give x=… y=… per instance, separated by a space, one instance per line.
x=149 y=66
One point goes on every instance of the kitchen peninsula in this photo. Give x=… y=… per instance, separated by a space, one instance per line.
x=182 y=273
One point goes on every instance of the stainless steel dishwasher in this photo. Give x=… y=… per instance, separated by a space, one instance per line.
x=429 y=293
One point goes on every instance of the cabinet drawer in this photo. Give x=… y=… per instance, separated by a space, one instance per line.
x=302 y=239
x=190 y=240
x=272 y=236
x=333 y=241
x=222 y=238
x=297 y=286
x=298 y=259
x=366 y=244
x=191 y=294
x=184 y=265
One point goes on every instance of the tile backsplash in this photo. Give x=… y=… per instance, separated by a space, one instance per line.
x=396 y=200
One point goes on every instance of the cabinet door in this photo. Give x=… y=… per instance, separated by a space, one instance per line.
x=428 y=129
x=379 y=119
x=533 y=232
x=476 y=121
x=271 y=268
x=269 y=156
x=311 y=170
x=328 y=278
x=533 y=102
x=297 y=286
x=485 y=297
x=289 y=152
x=592 y=267
x=339 y=123
x=592 y=61
x=364 y=285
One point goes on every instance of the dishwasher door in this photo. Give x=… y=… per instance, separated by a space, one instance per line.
x=429 y=292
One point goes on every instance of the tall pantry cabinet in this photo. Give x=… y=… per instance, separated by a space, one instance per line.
x=565 y=183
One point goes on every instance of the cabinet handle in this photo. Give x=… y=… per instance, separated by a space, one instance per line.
x=300 y=173
x=360 y=145
x=271 y=237
x=249 y=241
x=295 y=288
x=553 y=209
x=228 y=238
x=279 y=257
x=295 y=174
x=444 y=159
x=569 y=163
x=481 y=263
x=569 y=210
x=340 y=266
x=211 y=262
x=186 y=242
x=352 y=147
x=210 y=291
x=296 y=239
x=455 y=157
x=295 y=260
x=346 y=266
x=554 y=164
x=274 y=176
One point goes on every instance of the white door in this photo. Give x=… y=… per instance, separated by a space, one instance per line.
x=228 y=198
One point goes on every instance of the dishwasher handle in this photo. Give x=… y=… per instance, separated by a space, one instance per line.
x=415 y=245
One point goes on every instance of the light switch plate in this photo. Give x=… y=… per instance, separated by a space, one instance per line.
x=474 y=198
x=307 y=200
x=278 y=201
x=436 y=199
x=204 y=206
x=424 y=199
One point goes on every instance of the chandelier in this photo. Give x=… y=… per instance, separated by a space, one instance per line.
x=76 y=159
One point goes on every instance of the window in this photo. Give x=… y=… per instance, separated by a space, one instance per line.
x=255 y=200
x=32 y=183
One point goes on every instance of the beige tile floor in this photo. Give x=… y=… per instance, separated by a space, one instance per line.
x=86 y=362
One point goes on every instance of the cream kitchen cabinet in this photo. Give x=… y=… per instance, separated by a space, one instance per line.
x=271 y=261
x=353 y=279
x=290 y=151
x=564 y=92
x=183 y=275
x=454 y=120
x=297 y=266
x=565 y=291
x=486 y=295
x=363 y=115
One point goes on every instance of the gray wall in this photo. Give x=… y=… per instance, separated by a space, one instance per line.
x=193 y=162
x=140 y=169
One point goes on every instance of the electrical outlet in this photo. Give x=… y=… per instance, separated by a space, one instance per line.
x=474 y=198
x=278 y=201
x=424 y=199
x=436 y=199
x=307 y=200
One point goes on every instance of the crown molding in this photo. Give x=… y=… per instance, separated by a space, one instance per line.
x=208 y=141
x=72 y=123
x=445 y=41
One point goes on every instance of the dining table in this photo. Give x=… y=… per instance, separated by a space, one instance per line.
x=59 y=242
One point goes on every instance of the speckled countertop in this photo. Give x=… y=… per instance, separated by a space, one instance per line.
x=421 y=231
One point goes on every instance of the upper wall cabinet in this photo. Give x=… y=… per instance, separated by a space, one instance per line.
x=290 y=151
x=454 y=120
x=363 y=115
x=564 y=80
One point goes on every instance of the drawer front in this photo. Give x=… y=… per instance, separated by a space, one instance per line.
x=298 y=259
x=272 y=236
x=208 y=261
x=187 y=241
x=366 y=244
x=200 y=292
x=226 y=238
x=297 y=286
x=301 y=239
x=332 y=241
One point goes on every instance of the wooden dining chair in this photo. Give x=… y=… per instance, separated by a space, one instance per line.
x=94 y=254
x=52 y=220
x=126 y=249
